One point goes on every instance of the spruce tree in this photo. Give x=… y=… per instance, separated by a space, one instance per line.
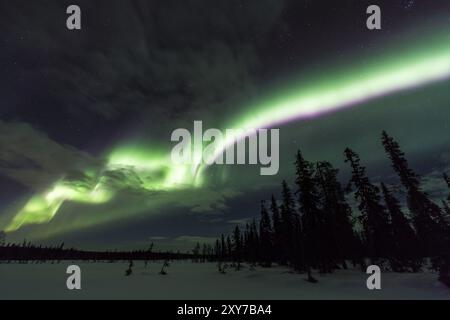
x=313 y=226
x=217 y=250
x=247 y=246
x=250 y=241
x=277 y=229
x=338 y=214
x=256 y=245
x=196 y=252
x=425 y=213
x=287 y=212
x=229 y=248
x=205 y=252
x=237 y=247
x=374 y=218
x=266 y=236
x=298 y=249
x=223 y=248
x=404 y=238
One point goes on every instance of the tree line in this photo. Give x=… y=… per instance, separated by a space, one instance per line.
x=27 y=251
x=312 y=226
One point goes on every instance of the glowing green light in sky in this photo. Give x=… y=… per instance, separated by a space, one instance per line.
x=42 y=208
x=155 y=170
x=403 y=71
x=139 y=167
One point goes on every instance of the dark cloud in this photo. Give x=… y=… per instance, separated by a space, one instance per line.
x=161 y=59
x=33 y=159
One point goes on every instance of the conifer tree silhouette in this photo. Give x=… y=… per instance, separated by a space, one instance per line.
x=277 y=233
x=287 y=212
x=338 y=214
x=425 y=213
x=223 y=247
x=255 y=245
x=237 y=247
x=374 y=218
x=229 y=248
x=312 y=218
x=405 y=241
x=196 y=252
x=205 y=252
x=217 y=250
x=321 y=234
x=266 y=236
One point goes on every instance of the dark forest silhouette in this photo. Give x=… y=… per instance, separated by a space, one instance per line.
x=312 y=227
x=28 y=252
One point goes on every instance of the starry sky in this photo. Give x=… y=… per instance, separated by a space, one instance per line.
x=86 y=116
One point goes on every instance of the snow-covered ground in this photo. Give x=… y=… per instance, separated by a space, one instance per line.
x=186 y=280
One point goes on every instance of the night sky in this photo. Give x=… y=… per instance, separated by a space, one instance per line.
x=86 y=116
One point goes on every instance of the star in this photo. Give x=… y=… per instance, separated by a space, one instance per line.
x=409 y=4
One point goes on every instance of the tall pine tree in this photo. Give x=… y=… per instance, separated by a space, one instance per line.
x=287 y=214
x=313 y=230
x=266 y=236
x=217 y=250
x=425 y=213
x=404 y=238
x=374 y=218
x=229 y=248
x=237 y=247
x=338 y=214
x=253 y=247
x=247 y=246
x=277 y=229
x=223 y=248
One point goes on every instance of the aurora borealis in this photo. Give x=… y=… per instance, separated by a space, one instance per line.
x=408 y=69
x=107 y=113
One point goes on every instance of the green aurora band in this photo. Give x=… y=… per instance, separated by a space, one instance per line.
x=153 y=171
